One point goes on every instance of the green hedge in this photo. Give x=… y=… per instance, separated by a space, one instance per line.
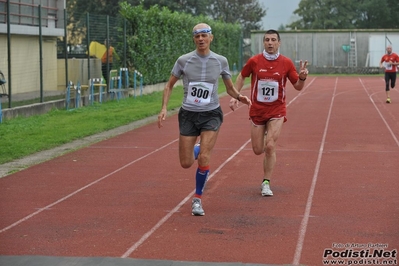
x=157 y=37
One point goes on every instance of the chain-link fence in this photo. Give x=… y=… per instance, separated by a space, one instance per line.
x=42 y=56
x=41 y=62
x=86 y=38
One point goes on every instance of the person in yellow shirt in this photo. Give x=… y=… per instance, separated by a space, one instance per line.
x=107 y=57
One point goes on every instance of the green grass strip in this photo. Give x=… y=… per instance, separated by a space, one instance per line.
x=23 y=136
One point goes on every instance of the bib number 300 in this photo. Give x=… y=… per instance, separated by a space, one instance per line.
x=200 y=93
x=267 y=91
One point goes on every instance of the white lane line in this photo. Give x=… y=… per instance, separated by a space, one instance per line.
x=82 y=188
x=39 y=210
x=175 y=209
x=379 y=112
x=302 y=91
x=305 y=219
x=123 y=167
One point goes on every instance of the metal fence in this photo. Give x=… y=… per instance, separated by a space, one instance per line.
x=44 y=61
x=83 y=49
x=41 y=55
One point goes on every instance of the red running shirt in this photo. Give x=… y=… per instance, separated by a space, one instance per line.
x=268 y=82
x=387 y=58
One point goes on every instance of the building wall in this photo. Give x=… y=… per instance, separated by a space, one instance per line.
x=24 y=33
x=3 y=53
x=25 y=65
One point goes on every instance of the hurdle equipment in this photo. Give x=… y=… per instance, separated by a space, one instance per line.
x=124 y=80
x=96 y=83
x=119 y=82
x=114 y=85
x=76 y=88
x=136 y=73
x=68 y=94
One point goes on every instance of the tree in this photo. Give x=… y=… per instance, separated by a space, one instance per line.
x=97 y=7
x=193 y=7
x=325 y=14
x=248 y=13
x=343 y=14
x=378 y=14
x=281 y=27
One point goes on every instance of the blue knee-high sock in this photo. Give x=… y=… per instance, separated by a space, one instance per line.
x=200 y=179
x=196 y=151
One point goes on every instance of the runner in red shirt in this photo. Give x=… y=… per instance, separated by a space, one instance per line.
x=269 y=72
x=390 y=62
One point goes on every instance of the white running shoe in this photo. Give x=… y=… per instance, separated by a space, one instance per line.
x=265 y=189
x=196 y=207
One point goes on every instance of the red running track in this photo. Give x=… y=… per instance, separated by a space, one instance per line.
x=335 y=189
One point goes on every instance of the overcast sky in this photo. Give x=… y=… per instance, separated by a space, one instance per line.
x=278 y=12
